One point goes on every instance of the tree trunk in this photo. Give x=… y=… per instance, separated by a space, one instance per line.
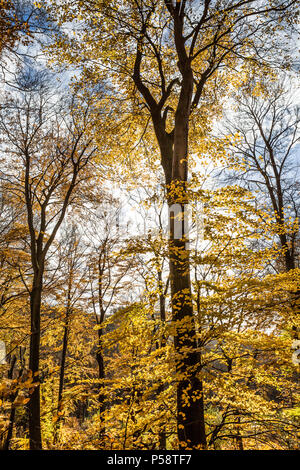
x=190 y=404
x=35 y=437
x=174 y=159
x=239 y=439
x=101 y=373
x=62 y=375
x=162 y=310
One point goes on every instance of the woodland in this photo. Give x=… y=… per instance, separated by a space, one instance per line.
x=149 y=225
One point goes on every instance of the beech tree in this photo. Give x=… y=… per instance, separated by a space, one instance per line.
x=264 y=159
x=51 y=151
x=73 y=272
x=167 y=56
x=169 y=337
x=108 y=268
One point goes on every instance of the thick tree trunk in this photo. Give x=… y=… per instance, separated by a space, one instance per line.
x=35 y=437
x=162 y=310
x=174 y=155
x=190 y=406
x=239 y=439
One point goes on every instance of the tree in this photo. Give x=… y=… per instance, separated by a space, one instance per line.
x=72 y=266
x=165 y=57
x=236 y=296
x=266 y=152
x=22 y=24
x=108 y=269
x=51 y=151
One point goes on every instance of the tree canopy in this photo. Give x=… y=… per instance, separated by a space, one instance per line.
x=149 y=231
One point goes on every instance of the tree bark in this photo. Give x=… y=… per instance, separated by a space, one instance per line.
x=35 y=437
x=174 y=159
x=62 y=371
x=162 y=310
x=190 y=403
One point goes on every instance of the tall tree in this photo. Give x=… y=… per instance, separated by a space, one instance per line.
x=51 y=149
x=72 y=261
x=167 y=55
x=265 y=158
x=108 y=269
x=171 y=52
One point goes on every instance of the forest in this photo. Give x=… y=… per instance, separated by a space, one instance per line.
x=149 y=225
